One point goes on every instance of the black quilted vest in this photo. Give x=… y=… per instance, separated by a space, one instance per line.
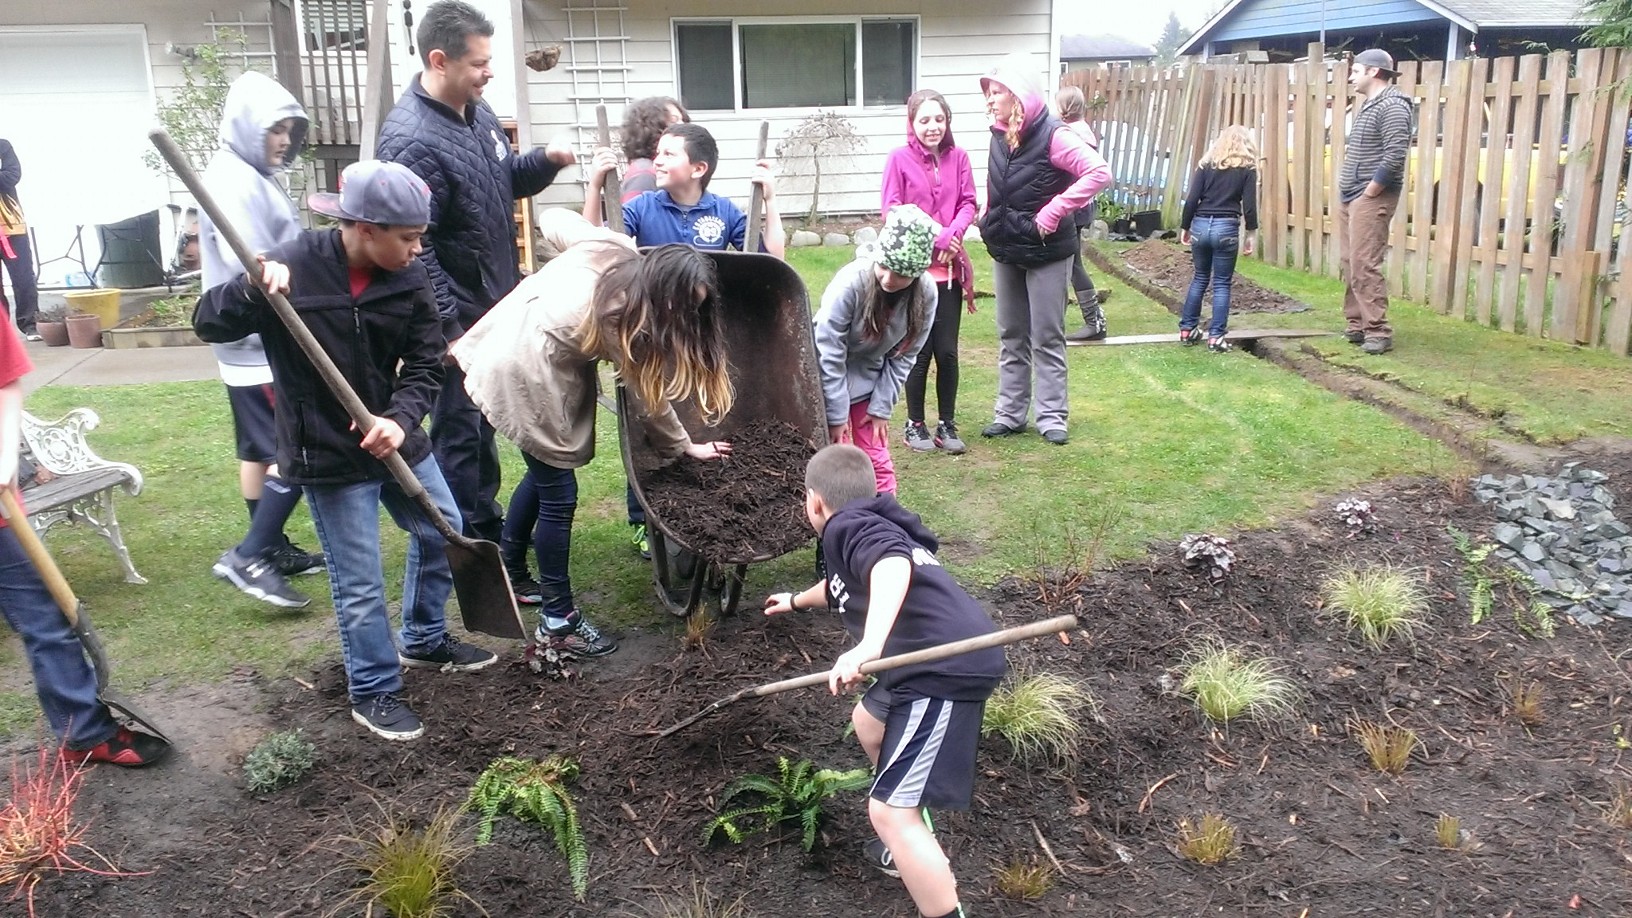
x=1019 y=183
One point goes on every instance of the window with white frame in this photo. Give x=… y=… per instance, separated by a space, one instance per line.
x=727 y=64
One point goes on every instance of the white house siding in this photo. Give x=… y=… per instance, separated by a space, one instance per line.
x=958 y=41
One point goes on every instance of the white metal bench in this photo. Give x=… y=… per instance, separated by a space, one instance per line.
x=78 y=485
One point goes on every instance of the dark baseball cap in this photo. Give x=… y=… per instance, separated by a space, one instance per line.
x=1377 y=57
x=372 y=191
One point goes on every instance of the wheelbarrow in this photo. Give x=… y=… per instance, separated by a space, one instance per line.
x=773 y=369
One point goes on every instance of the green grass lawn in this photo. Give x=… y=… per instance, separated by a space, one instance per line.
x=1165 y=440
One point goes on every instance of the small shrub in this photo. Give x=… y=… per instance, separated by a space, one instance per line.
x=698 y=626
x=820 y=139
x=1389 y=747
x=1225 y=684
x=1356 y=515
x=1378 y=602
x=1023 y=880
x=1210 y=552
x=701 y=904
x=1210 y=840
x=1448 y=831
x=1040 y=716
x=796 y=794
x=1064 y=562
x=1526 y=697
x=534 y=792
x=277 y=761
x=409 y=872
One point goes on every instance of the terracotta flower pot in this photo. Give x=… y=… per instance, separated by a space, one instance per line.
x=85 y=330
x=53 y=332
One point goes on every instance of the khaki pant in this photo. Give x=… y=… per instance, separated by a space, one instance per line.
x=1365 y=298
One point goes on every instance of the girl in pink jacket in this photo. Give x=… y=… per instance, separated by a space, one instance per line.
x=934 y=173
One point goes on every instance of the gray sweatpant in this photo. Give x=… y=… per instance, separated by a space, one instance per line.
x=1031 y=338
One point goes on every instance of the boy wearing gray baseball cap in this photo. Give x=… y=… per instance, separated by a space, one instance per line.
x=367 y=299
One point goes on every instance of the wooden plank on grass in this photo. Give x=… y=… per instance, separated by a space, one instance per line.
x=1233 y=335
x=1422 y=215
x=1555 y=94
x=1471 y=190
x=1518 y=191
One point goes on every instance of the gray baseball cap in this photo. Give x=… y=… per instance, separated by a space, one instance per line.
x=1377 y=57
x=372 y=191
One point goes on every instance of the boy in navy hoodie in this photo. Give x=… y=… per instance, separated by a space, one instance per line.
x=919 y=725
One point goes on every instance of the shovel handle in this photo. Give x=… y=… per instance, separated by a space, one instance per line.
x=342 y=390
x=611 y=187
x=756 y=198
x=35 y=549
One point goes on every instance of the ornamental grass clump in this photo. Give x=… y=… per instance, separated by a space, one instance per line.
x=1226 y=684
x=1380 y=603
x=701 y=903
x=408 y=872
x=1041 y=716
x=1025 y=880
x=1388 y=747
x=1209 y=840
x=277 y=761
x=534 y=792
x=796 y=794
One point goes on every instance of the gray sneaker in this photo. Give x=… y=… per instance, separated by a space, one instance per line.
x=387 y=717
x=578 y=639
x=917 y=437
x=946 y=438
x=259 y=577
x=1378 y=345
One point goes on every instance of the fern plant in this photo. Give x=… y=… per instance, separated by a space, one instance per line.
x=534 y=792
x=796 y=794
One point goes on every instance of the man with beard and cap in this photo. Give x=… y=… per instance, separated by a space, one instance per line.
x=1369 y=187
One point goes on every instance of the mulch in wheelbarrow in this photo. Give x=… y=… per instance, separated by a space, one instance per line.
x=750 y=505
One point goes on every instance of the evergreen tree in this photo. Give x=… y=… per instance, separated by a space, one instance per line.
x=1173 y=36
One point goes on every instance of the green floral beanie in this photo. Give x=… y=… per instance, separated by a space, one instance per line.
x=907 y=242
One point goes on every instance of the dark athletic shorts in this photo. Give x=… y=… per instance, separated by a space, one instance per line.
x=252 y=420
x=928 y=757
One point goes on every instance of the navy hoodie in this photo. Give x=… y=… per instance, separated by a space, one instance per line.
x=935 y=611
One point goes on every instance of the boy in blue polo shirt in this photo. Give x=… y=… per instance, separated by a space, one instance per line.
x=682 y=209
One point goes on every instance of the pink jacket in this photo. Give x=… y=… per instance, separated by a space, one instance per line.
x=942 y=184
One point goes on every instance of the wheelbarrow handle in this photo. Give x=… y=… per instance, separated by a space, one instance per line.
x=342 y=390
x=612 y=187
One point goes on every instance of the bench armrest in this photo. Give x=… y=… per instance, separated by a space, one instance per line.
x=61 y=448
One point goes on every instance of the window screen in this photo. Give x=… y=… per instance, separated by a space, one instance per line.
x=886 y=61
x=704 y=52
x=798 y=65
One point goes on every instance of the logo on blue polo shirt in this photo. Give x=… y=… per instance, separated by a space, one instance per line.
x=708 y=231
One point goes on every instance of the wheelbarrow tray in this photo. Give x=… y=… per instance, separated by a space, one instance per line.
x=772 y=351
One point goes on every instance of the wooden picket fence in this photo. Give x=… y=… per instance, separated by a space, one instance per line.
x=1515 y=185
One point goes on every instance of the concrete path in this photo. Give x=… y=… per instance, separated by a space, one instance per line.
x=100 y=366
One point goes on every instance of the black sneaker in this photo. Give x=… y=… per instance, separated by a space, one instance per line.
x=259 y=578
x=386 y=716
x=451 y=656
x=1354 y=337
x=292 y=561
x=1000 y=429
x=877 y=854
x=946 y=438
x=917 y=437
x=527 y=590
x=579 y=638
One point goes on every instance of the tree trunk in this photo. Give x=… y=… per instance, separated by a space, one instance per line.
x=815 y=188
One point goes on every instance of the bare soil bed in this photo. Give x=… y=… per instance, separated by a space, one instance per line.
x=1320 y=831
x=1167 y=267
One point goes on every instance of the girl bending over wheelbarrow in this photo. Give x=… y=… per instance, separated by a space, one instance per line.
x=875 y=317
x=530 y=366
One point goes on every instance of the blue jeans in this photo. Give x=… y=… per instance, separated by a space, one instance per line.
x=347 y=518
x=552 y=534
x=1214 y=242
x=63 y=678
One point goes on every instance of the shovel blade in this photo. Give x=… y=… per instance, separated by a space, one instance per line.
x=487 y=605
x=123 y=710
x=92 y=644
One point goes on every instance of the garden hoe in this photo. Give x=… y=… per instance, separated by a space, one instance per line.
x=73 y=610
x=486 y=602
x=927 y=655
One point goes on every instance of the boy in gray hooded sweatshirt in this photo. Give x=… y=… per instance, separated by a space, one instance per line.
x=262 y=131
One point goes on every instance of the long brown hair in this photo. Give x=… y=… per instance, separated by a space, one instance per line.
x=876 y=305
x=917 y=100
x=646 y=318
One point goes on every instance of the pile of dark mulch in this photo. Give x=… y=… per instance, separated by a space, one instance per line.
x=747 y=507
x=1168 y=268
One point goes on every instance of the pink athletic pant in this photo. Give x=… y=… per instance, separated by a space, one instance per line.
x=876 y=448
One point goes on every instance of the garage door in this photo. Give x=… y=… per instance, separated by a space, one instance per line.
x=76 y=105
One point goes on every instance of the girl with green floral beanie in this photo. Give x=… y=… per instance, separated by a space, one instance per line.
x=873 y=321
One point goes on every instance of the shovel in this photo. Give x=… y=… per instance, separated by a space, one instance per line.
x=73 y=610
x=756 y=198
x=927 y=655
x=612 y=189
x=486 y=602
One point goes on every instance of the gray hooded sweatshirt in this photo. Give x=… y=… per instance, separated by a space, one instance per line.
x=245 y=188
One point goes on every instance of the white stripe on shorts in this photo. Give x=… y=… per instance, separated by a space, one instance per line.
x=910 y=790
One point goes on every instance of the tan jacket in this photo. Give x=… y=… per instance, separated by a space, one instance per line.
x=524 y=366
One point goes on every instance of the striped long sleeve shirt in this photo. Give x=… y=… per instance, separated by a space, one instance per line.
x=1377 y=144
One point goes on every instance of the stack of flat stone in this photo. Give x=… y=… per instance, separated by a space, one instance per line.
x=1564 y=534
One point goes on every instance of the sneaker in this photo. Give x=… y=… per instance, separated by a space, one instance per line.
x=917 y=437
x=259 y=578
x=125 y=748
x=451 y=656
x=1189 y=336
x=578 y=639
x=877 y=854
x=641 y=543
x=1218 y=345
x=1378 y=345
x=946 y=438
x=386 y=716
x=527 y=590
x=292 y=561
x=32 y=336
x=1354 y=337
x=1057 y=436
x=1000 y=429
